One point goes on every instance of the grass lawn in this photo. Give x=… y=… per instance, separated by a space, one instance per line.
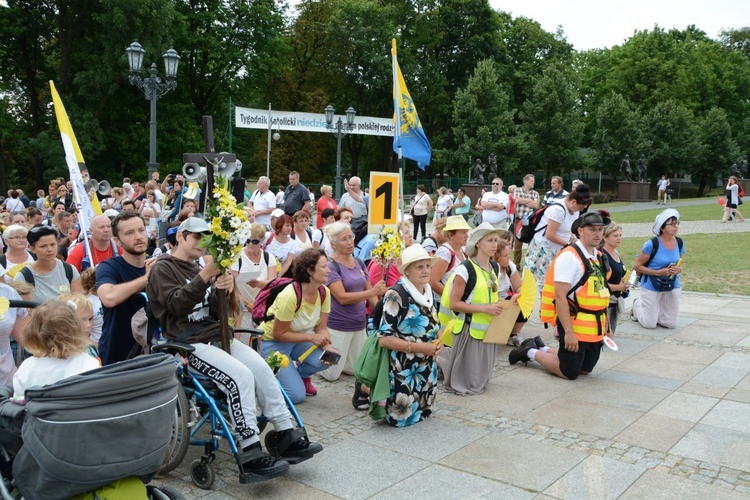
x=712 y=263
x=693 y=212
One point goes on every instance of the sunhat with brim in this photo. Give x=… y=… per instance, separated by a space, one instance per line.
x=194 y=225
x=277 y=212
x=413 y=254
x=456 y=223
x=662 y=218
x=477 y=234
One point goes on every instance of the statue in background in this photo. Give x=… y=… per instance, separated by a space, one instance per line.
x=625 y=167
x=642 y=169
x=478 y=173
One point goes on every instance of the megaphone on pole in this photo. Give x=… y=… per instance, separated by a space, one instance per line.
x=103 y=188
x=193 y=172
x=227 y=169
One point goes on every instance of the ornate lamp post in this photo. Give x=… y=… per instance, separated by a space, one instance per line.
x=340 y=129
x=153 y=87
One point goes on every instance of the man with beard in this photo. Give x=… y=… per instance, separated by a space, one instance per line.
x=120 y=281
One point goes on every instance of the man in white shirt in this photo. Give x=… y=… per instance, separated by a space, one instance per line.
x=556 y=193
x=354 y=199
x=495 y=204
x=263 y=202
x=661 y=185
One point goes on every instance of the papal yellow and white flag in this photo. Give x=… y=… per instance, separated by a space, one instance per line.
x=74 y=160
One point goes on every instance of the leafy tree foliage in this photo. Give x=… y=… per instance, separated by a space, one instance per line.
x=617 y=132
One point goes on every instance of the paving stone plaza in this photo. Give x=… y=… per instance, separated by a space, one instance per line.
x=665 y=416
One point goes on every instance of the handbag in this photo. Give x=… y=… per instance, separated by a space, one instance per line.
x=663 y=283
x=620 y=305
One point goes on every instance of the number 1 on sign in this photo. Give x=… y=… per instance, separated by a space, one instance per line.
x=382 y=213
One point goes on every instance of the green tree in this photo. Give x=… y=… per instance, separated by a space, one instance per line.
x=675 y=143
x=618 y=131
x=718 y=149
x=483 y=121
x=552 y=124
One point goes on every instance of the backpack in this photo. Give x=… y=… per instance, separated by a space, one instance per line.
x=29 y=276
x=309 y=235
x=376 y=315
x=654 y=249
x=265 y=258
x=527 y=227
x=4 y=259
x=359 y=228
x=268 y=294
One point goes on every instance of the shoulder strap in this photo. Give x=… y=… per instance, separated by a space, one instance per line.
x=471 y=281
x=337 y=266
x=586 y=272
x=28 y=275
x=322 y=235
x=68 y=272
x=265 y=257
x=361 y=264
x=679 y=244
x=3 y=260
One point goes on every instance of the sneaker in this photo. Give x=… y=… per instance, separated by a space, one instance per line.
x=519 y=354
x=297 y=451
x=310 y=389
x=539 y=342
x=263 y=464
x=515 y=340
x=528 y=343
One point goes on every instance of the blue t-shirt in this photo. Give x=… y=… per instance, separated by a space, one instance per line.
x=662 y=259
x=117 y=339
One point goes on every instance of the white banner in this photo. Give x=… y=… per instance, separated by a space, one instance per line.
x=307 y=122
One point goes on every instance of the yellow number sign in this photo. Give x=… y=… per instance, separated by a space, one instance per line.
x=383 y=209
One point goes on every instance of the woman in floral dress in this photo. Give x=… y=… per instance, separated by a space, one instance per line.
x=408 y=330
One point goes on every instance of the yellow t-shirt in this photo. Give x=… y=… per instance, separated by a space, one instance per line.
x=303 y=321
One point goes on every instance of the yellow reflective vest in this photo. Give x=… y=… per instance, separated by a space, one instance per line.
x=483 y=294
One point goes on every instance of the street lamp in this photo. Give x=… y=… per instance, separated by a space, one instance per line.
x=340 y=129
x=153 y=88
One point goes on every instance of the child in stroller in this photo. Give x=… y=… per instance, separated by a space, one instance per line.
x=76 y=435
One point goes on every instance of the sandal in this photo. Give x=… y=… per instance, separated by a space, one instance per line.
x=360 y=400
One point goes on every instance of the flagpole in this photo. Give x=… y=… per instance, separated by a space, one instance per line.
x=397 y=128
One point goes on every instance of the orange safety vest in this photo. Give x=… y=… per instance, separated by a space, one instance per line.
x=588 y=307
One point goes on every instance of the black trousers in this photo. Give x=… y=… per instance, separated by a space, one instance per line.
x=420 y=221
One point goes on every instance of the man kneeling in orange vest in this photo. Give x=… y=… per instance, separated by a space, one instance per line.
x=575 y=298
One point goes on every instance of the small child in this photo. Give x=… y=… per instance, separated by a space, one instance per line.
x=88 y=283
x=82 y=306
x=56 y=338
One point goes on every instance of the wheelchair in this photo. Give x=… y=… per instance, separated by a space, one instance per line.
x=203 y=403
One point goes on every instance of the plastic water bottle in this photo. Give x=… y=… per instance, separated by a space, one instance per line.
x=370 y=326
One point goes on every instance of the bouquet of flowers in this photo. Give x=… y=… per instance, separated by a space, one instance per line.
x=230 y=228
x=276 y=361
x=388 y=247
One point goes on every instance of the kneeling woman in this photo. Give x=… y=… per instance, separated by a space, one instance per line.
x=293 y=331
x=468 y=368
x=409 y=327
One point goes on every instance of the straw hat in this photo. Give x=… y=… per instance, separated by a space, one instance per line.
x=455 y=223
x=477 y=234
x=413 y=254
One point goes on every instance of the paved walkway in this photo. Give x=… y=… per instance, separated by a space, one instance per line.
x=665 y=416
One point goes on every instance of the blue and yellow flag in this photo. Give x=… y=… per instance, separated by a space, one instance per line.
x=409 y=139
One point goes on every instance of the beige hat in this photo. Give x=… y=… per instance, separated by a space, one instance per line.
x=413 y=254
x=477 y=234
x=455 y=223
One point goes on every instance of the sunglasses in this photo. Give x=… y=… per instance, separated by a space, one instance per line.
x=495 y=183
x=254 y=241
x=43 y=229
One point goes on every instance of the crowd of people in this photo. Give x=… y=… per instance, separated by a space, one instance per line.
x=145 y=249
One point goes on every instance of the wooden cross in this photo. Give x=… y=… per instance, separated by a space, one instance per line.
x=208 y=158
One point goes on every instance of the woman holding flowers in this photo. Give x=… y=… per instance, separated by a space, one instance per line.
x=351 y=289
x=409 y=329
x=283 y=246
x=386 y=256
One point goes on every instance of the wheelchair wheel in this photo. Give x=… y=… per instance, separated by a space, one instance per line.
x=180 y=440
x=202 y=474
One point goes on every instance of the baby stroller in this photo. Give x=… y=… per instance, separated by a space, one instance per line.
x=90 y=430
